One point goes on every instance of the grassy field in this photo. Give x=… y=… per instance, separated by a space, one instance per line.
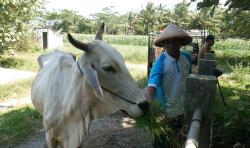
x=135 y=40
x=232 y=56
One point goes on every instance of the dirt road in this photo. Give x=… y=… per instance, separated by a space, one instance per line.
x=114 y=131
x=11 y=75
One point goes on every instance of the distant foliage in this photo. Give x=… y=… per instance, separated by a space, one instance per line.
x=15 y=18
x=153 y=18
x=138 y=40
x=68 y=21
x=236 y=24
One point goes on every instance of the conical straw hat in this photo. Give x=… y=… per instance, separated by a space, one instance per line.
x=173 y=32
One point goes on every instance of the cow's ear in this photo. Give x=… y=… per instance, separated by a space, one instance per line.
x=92 y=79
x=78 y=44
x=99 y=34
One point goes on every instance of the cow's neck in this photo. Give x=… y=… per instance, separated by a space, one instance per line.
x=76 y=103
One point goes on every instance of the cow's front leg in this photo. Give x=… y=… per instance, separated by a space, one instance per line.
x=52 y=143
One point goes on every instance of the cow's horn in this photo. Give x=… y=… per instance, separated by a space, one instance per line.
x=100 y=32
x=78 y=44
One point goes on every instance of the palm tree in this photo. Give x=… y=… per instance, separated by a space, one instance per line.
x=132 y=18
x=207 y=22
x=147 y=15
x=181 y=15
x=163 y=17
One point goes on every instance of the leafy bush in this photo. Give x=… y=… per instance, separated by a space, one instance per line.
x=27 y=43
x=15 y=20
x=7 y=62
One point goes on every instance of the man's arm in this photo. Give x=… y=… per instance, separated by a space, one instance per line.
x=155 y=78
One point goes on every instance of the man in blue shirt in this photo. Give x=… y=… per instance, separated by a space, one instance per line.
x=167 y=80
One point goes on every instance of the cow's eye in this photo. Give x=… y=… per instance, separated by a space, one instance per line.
x=109 y=68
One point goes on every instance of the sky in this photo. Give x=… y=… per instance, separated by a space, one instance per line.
x=87 y=7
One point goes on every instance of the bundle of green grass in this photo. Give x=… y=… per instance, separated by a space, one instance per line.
x=158 y=124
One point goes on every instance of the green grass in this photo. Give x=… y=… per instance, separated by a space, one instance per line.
x=16 y=89
x=160 y=128
x=233 y=120
x=133 y=54
x=19 y=124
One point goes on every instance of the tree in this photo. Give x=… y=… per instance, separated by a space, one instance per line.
x=68 y=21
x=181 y=15
x=203 y=20
x=148 y=17
x=163 y=17
x=131 y=19
x=15 y=20
x=239 y=5
x=85 y=26
x=64 y=19
x=109 y=17
x=234 y=25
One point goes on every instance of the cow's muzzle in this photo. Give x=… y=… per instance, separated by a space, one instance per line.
x=144 y=106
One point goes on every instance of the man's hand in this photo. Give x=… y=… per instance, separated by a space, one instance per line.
x=150 y=93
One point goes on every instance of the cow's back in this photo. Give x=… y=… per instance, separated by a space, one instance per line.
x=48 y=88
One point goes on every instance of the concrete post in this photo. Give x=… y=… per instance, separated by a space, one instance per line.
x=200 y=92
x=209 y=56
x=206 y=67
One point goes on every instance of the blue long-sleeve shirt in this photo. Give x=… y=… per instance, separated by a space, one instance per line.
x=168 y=76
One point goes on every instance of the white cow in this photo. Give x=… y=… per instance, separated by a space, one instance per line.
x=70 y=94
